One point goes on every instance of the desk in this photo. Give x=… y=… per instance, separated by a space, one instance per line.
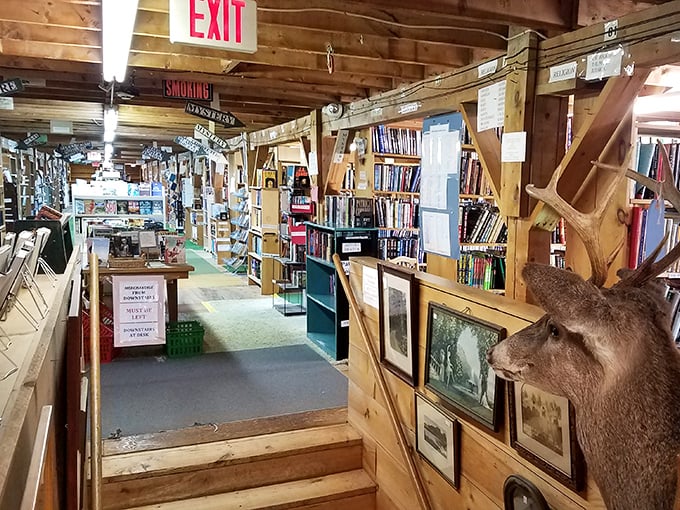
x=171 y=273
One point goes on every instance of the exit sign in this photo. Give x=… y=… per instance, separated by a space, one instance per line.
x=225 y=24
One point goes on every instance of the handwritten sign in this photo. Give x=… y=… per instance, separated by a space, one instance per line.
x=139 y=314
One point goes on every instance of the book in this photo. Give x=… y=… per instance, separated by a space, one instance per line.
x=133 y=207
x=269 y=178
x=122 y=206
x=175 y=250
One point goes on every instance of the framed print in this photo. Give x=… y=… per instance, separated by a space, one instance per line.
x=398 y=321
x=438 y=439
x=520 y=494
x=456 y=368
x=543 y=431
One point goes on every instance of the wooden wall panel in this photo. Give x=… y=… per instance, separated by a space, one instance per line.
x=486 y=458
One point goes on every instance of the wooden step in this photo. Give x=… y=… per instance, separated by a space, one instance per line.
x=349 y=490
x=170 y=474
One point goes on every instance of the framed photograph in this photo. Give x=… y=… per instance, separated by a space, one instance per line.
x=520 y=494
x=438 y=439
x=543 y=431
x=456 y=368
x=398 y=314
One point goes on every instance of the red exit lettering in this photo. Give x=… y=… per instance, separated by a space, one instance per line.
x=218 y=26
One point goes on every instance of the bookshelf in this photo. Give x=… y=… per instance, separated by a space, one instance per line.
x=395 y=162
x=220 y=232
x=239 y=219
x=327 y=305
x=263 y=238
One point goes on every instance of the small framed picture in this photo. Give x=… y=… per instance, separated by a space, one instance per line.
x=456 y=368
x=398 y=321
x=543 y=431
x=520 y=494
x=438 y=439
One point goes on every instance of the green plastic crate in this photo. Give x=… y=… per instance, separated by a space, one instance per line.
x=184 y=338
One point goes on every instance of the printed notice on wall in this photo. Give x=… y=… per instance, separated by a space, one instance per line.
x=436 y=232
x=139 y=310
x=441 y=151
x=514 y=147
x=369 y=286
x=604 y=64
x=491 y=106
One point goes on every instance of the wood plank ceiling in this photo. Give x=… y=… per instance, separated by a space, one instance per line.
x=377 y=45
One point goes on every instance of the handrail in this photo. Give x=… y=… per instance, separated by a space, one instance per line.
x=42 y=489
x=95 y=387
x=421 y=493
x=75 y=433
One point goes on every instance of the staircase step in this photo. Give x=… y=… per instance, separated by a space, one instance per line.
x=351 y=489
x=178 y=473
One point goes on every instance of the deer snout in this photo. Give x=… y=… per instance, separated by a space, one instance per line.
x=489 y=355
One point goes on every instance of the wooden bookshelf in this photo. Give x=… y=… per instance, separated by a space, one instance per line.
x=263 y=238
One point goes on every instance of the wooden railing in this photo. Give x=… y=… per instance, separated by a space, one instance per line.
x=42 y=491
x=95 y=388
x=407 y=452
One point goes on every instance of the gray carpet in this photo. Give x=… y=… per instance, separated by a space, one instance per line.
x=142 y=395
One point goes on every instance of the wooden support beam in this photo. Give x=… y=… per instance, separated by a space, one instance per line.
x=487 y=145
x=610 y=107
x=338 y=166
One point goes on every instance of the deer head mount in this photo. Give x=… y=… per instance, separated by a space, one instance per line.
x=610 y=351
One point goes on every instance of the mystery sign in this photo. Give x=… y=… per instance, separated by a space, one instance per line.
x=10 y=87
x=224 y=118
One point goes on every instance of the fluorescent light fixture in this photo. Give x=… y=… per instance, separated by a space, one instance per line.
x=118 y=23
x=108 y=151
x=110 y=124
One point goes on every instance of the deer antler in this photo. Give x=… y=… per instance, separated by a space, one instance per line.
x=587 y=226
x=649 y=269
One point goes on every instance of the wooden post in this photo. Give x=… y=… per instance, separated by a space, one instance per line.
x=95 y=388
x=421 y=493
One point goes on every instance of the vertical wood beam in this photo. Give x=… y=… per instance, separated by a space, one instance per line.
x=519 y=110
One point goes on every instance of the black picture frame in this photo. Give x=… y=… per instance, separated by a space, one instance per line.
x=520 y=494
x=398 y=317
x=456 y=369
x=438 y=439
x=551 y=443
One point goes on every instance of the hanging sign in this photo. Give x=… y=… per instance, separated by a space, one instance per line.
x=32 y=140
x=211 y=136
x=199 y=149
x=225 y=24
x=182 y=89
x=11 y=87
x=68 y=151
x=154 y=153
x=139 y=315
x=224 y=118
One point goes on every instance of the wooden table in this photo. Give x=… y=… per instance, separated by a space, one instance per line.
x=172 y=273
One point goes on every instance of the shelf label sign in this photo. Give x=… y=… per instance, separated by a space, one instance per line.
x=225 y=24
x=11 y=87
x=139 y=314
x=562 y=72
x=224 y=118
x=182 y=89
x=604 y=64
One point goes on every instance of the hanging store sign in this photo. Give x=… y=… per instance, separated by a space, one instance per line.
x=199 y=149
x=68 y=151
x=154 y=153
x=212 y=137
x=11 y=87
x=181 y=89
x=225 y=24
x=224 y=118
x=32 y=140
x=139 y=316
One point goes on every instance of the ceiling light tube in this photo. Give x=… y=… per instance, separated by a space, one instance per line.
x=118 y=23
x=110 y=124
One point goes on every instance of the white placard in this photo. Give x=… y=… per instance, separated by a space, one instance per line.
x=441 y=151
x=344 y=323
x=139 y=315
x=487 y=68
x=313 y=168
x=611 y=30
x=351 y=248
x=408 y=108
x=491 y=106
x=362 y=185
x=514 y=147
x=6 y=103
x=147 y=239
x=562 y=72
x=369 y=285
x=436 y=232
x=604 y=64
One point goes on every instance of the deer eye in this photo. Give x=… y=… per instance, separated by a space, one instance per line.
x=553 y=330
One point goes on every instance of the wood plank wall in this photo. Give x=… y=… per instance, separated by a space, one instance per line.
x=486 y=459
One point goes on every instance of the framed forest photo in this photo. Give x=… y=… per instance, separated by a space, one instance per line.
x=438 y=439
x=398 y=321
x=456 y=368
x=543 y=431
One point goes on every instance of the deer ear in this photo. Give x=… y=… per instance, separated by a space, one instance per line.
x=569 y=299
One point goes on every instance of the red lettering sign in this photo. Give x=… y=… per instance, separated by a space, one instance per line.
x=193 y=17
x=181 y=89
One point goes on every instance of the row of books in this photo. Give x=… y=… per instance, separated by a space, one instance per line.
x=348 y=212
x=266 y=178
x=650 y=163
x=255 y=269
x=559 y=234
x=389 y=140
x=349 y=181
x=481 y=223
x=148 y=207
x=472 y=178
x=481 y=270
x=395 y=243
x=297 y=176
x=396 y=212
x=320 y=244
x=402 y=178
x=641 y=230
x=558 y=260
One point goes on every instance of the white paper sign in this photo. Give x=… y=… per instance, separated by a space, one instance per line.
x=139 y=314
x=436 y=232
x=351 y=248
x=611 y=30
x=487 y=68
x=441 y=150
x=514 y=147
x=369 y=286
x=604 y=64
x=562 y=72
x=491 y=106
x=6 y=103
x=313 y=168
